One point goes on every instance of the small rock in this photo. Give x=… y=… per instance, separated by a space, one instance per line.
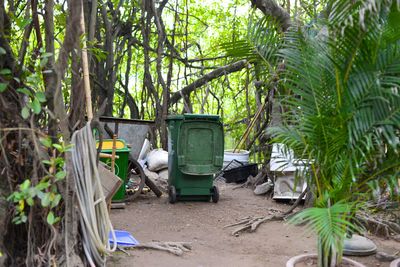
x=263 y=188
x=163 y=174
x=383 y=256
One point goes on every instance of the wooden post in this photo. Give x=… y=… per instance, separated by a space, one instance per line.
x=114 y=147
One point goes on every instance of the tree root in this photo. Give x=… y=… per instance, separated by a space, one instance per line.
x=251 y=224
x=176 y=248
x=378 y=225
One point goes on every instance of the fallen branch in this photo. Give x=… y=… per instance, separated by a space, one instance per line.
x=176 y=248
x=251 y=224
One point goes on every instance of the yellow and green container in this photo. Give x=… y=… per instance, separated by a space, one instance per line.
x=195 y=154
x=121 y=164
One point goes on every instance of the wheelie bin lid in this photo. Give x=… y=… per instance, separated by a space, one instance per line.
x=190 y=116
x=200 y=147
x=120 y=145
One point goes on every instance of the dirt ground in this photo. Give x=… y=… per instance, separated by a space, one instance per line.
x=154 y=219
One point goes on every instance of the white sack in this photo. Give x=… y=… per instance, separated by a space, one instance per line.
x=157 y=160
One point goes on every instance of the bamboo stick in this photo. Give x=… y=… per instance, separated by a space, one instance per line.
x=85 y=68
x=251 y=125
x=114 y=147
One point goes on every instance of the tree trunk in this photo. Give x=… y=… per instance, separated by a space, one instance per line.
x=236 y=66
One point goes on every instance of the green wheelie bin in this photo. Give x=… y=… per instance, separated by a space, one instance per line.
x=195 y=154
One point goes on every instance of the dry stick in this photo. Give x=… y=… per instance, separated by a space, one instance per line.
x=176 y=248
x=251 y=125
x=85 y=67
x=245 y=220
x=253 y=223
x=114 y=147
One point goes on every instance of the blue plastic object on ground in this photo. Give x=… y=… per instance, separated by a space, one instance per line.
x=124 y=238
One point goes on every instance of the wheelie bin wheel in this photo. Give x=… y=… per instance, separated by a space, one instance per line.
x=172 y=194
x=215 y=194
x=136 y=179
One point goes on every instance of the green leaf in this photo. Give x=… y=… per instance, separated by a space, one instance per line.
x=41 y=97
x=58 y=147
x=16 y=220
x=36 y=106
x=45 y=55
x=56 y=200
x=59 y=161
x=30 y=201
x=60 y=175
x=24 y=91
x=45 y=141
x=20 y=219
x=13 y=196
x=25 y=185
x=3 y=87
x=25 y=112
x=57 y=219
x=47 y=162
x=21 y=22
x=2 y=51
x=24 y=23
x=43 y=61
x=40 y=194
x=42 y=185
x=32 y=192
x=5 y=72
x=24 y=218
x=46 y=200
x=68 y=147
x=51 y=218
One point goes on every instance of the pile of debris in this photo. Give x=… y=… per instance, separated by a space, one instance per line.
x=155 y=165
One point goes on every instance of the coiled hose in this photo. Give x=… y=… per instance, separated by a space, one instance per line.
x=94 y=218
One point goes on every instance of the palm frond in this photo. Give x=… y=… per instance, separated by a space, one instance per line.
x=261 y=44
x=330 y=223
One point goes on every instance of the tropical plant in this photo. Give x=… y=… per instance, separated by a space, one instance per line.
x=343 y=112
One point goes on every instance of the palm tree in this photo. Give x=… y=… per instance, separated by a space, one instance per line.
x=343 y=112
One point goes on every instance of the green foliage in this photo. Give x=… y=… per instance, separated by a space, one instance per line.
x=260 y=46
x=45 y=192
x=3 y=72
x=34 y=104
x=343 y=112
x=330 y=223
x=3 y=87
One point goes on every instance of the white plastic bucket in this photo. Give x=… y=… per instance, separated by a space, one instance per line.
x=239 y=155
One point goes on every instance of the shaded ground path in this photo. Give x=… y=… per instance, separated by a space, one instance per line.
x=152 y=219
